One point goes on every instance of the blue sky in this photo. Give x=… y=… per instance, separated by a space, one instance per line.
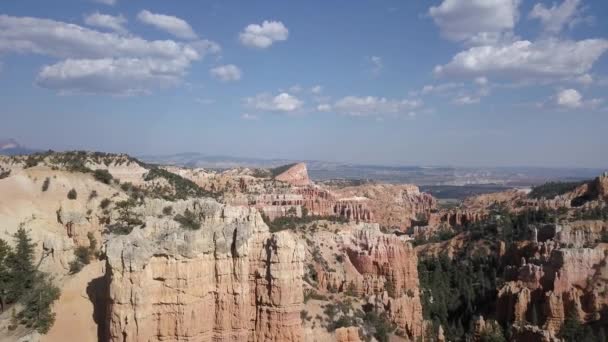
x=445 y=82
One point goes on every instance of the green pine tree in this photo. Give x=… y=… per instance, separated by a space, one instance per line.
x=5 y=276
x=21 y=266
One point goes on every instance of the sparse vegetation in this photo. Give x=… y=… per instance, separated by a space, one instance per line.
x=168 y=210
x=46 y=184
x=84 y=254
x=182 y=188
x=4 y=173
x=105 y=203
x=293 y=222
x=72 y=194
x=188 y=220
x=551 y=190
x=278 y=170
x=103 y=176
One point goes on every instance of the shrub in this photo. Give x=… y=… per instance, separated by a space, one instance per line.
x=72 y=194
x=92 y=195
x=45 y=184
x=4 y=173
x=188 y=220
x=182 y=188
x=83 y=254
x=103 y=176
x=168 y=210
x=105 y=203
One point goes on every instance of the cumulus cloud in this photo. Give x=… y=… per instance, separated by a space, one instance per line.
x=316 y=89
x=476 y=21
x=550 y=58
x=263 y=36
x=96 y=61
x=226 y=73
x=173 y=25
x=124 y=76
x=555 y=18
x=114 y=23
x=573 y=99
x=374 y=106
x=569 y=98
x=282 y=102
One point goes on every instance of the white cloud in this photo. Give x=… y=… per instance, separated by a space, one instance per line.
x=114 y=23
x=371 y=105
x=476 y=21
x=107 y=2
x=440 y=88
x=226 y=73
x=97 y=61
x=249 y=117
x=173 y=25
x=466 y=100
x=120 y=76
x=316 y=89
x=377 y=65
x=282 y=102
x=324 y=107
x=263 y=36
x=569 y=98
x=59 y=39
x=573 y=99
x=525 y=60
x=555 y=18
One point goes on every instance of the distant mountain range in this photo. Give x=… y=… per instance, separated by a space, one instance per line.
x=323 y=170
x=10 y=147
x=420 y=175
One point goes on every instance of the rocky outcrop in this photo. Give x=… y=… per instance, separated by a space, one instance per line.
x=386 y=263
x=394 y=206
x=296 y=175
x=570 y=280
x=230 y=280
x=348 y=334
x=462 y=217
x=581 y=233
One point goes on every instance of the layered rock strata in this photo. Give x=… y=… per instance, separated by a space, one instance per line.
x=229 y=280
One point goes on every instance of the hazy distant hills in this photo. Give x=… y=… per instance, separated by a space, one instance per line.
x=323 y=170
x=421 y=175
x=10 y=147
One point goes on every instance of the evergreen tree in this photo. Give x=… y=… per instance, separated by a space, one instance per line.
x=37 y=313
x=21 y=266
x=534 y=318
x=5 y=276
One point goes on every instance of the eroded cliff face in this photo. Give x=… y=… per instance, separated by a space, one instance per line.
x=380 y=269
x=394 y=206
x=230 y=280
x=569 y=280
